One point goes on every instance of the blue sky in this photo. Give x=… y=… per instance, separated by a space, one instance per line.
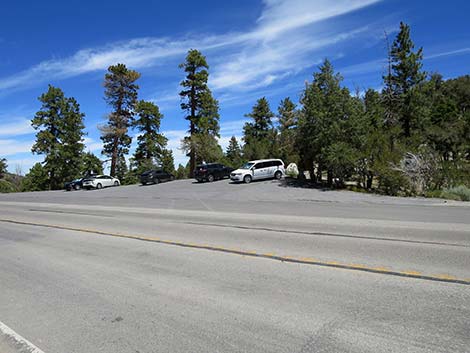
x=254 y=48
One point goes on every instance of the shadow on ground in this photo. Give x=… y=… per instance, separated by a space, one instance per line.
x=303 y=184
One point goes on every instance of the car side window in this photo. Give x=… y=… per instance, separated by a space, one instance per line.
x=260 y=165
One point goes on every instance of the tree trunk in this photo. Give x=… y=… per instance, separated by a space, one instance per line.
x=370 y=178
x=192 y=130
x=114 y=156
x=330 y=178
x=319 y=173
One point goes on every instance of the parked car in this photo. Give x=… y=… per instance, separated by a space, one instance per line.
x=155 y=176
x=259 y=169
x=100 y=181
x=76 y=184
x=211 y=171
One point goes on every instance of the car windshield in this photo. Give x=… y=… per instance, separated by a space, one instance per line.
x=247 y=166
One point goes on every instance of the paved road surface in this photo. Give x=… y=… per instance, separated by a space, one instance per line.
x=182 y=267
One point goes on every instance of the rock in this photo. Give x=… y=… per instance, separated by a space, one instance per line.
x=292 y=170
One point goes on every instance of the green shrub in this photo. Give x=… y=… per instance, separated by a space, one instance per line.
x=392 y=182
x=6 y=186
x=461 y=193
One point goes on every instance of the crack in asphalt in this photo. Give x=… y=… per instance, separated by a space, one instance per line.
x=326 y=234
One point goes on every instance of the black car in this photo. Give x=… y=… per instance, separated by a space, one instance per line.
x=155 y=176
x=211 y=171
x=76 y=184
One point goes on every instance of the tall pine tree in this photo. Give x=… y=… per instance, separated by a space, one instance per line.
x=234 y=153
x=202 y=111
x=325 y=129
x=60 y=136
x=258 y=135
x=151 y=143
x=287 y=116
x=121 y=94
x=404 y=75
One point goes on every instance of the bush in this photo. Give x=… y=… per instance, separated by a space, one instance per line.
x=392 y=182
x=6 y=186
x=461 y=193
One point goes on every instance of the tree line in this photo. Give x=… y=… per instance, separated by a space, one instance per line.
x=410 y=137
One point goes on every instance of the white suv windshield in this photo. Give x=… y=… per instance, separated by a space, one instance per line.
x=247 y=166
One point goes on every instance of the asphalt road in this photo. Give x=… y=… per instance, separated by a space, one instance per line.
x=183 y=267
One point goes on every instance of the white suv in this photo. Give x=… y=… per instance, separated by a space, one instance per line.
x=100 y=181
x=260 y=169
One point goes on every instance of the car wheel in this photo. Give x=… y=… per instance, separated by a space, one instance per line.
x=278 y=175
x=156 y=181
x=99 y=186
x=210 y=178
x=116 y=183
x=172 y=178
x=247 y=179
x=76 y=187
x=144 y=183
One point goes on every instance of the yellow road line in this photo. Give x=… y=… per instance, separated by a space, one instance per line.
x=301 y=260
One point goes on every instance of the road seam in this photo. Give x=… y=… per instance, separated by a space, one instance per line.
x=326 y=234
x=19 y=340
x=302 y=260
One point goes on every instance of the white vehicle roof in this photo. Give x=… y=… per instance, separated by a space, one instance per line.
x=266 y=160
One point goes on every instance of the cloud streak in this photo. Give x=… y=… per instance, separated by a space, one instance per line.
x=16 y=127
x=279 y=44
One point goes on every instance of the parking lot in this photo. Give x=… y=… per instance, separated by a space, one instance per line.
x=264 y=197
x=262 y=267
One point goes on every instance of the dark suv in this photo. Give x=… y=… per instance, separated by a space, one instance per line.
x=155 y=176
x=211 y=171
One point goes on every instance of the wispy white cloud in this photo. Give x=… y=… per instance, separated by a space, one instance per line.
x=279 y=44
x=15 y=127
x=282 y=16
x=367 y=67
x=23 y=164
x=379 y=65
x=91 y=145
x=136 y=53
x=461 y=51
x=10 y=147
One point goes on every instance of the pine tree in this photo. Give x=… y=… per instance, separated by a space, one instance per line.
x=91 y=164
x=258 y=135
x=288 y=116
x=60 y=136
x=181 y=172
x=121 y=169
x=205 y=146
x=37 y=179
x=168 y=162
x=234 y=153
x=150 y=143
x=325 y=125
x=121 y=95
x=404 y=75
x=202 y=109
x=3 y=167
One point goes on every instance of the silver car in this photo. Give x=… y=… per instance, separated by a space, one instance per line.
x=100 y=181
